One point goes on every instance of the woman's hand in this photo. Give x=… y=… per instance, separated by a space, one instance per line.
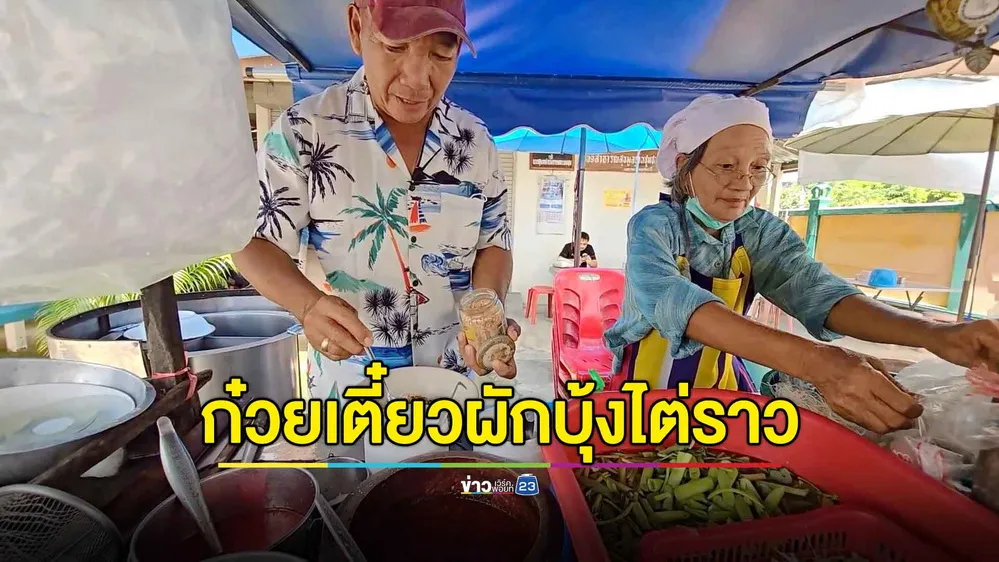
x=469 y=353
x=860 y=389
x=969 y=344
x=333 y=321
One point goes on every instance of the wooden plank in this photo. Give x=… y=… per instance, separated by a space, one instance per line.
x=62 y=474
x=100 y=492
x=164 y=352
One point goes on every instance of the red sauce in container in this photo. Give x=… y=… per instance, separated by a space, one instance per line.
x=249 y=531
x=445 y=528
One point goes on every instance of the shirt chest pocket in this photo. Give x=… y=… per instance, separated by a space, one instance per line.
x=447 y=237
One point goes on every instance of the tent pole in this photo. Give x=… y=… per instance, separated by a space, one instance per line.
x=775 y=79
x=634 y=188
x=577 y=210
x=979 y=232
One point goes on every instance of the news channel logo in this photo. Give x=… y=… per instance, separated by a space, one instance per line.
x=525 y=485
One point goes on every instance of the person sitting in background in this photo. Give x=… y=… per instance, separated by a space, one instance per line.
x=587 y=256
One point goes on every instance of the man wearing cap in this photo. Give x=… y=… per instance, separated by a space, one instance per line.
x=399 y=194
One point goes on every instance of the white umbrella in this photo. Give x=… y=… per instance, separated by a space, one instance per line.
x=940 y=132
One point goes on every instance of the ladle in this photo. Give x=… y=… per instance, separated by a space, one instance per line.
x=339 y=531
x=183 y=478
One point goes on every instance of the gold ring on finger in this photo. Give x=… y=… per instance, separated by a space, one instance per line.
x=324 y=345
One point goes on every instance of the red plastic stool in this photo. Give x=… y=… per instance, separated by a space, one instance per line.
x=531 y=311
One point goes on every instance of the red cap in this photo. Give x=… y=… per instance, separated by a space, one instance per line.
x=405 y=20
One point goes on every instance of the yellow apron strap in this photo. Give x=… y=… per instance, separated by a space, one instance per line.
x=653 y=363
x=653 y=360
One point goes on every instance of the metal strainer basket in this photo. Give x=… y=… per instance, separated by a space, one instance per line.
x=40 y=524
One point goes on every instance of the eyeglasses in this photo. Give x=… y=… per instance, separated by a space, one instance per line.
x=727 y=177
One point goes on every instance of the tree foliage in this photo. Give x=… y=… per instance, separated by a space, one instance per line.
x=856 y=193
x=209 y=275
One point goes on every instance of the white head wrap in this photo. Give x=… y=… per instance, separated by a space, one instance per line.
x=702 y=119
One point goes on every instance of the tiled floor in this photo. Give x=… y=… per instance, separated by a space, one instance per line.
x=534 y=360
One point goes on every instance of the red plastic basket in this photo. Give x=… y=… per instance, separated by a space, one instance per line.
x=863 y=475
x=831 y=531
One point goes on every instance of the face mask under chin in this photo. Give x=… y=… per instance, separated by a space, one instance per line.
x=693 y=205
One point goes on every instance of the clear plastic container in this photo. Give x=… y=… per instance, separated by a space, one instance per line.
x=483 y=321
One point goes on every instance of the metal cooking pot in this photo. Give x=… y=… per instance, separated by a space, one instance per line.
x=336 y=485
x=388 y=488
x=264 y=556
x=255 y=510
x=251 y=339
x=20 y=466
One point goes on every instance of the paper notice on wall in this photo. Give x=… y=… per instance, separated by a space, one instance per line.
x=551 y=205
x=617 y=198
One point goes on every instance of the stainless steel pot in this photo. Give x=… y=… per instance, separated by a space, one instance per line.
x=251 y=340
x=23 y=465
x=256 y=557
x=253 y=510
x=254 y=345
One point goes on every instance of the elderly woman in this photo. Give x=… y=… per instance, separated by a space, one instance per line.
x=698 y=258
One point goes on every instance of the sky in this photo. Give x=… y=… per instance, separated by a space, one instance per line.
x=245 y=47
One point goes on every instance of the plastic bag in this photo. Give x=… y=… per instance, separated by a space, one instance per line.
x=959 y=420
x=125 y=147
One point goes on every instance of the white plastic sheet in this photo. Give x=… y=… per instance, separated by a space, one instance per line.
x=125 y=149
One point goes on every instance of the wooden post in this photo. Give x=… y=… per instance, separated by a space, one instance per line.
x=164 y=353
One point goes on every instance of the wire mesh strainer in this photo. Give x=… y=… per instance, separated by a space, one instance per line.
x=40 y=524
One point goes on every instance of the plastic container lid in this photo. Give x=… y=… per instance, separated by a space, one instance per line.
x=192 y=326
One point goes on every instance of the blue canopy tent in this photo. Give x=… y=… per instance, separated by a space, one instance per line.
x=581 y=141
x=555 y=64
x=525 y=139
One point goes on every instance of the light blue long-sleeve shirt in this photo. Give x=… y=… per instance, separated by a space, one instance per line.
x=658 y=297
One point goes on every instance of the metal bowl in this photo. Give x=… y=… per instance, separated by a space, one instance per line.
x=21 y=464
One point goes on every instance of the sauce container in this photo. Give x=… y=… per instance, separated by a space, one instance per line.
x=483 y=321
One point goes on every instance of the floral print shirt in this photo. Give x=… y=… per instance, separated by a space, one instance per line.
x=399 y=248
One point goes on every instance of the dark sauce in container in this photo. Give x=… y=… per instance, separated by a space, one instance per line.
x=444 y=528
x=253 y=530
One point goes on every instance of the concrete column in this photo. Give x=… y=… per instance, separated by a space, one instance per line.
x=263 y=124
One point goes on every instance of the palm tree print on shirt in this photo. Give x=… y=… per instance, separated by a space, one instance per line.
x=271 y=210
x=457 y=157
x=317 y=236
x=322 y=168
x=452 y=361
x=343 y=282
x=295 y=118
x=495 y=220
x=384 y=221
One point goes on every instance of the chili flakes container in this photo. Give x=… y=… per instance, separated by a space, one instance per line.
x=483 y=321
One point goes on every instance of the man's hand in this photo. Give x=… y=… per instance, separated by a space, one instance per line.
x=469 y=353
x=969 y=344
x=860 y=389
x=333 y=321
